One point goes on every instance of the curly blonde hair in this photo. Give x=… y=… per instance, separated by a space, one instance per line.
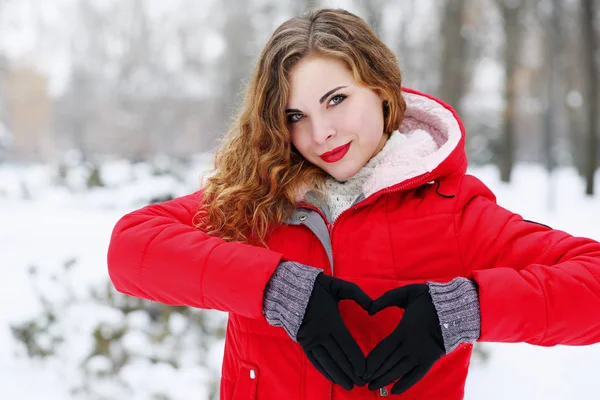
x=258 y=175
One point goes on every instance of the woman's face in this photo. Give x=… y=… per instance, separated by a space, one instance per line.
x=335 y=123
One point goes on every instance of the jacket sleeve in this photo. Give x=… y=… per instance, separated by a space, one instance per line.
x=536 y=284
x=157 y=254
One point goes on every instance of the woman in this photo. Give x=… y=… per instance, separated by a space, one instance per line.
x=335 y=184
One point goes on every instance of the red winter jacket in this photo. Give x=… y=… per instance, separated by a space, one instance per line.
x=423 y=219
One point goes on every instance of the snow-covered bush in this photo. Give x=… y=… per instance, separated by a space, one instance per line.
x=112 y=346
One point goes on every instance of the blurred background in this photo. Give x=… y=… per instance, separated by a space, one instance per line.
x=108 y=105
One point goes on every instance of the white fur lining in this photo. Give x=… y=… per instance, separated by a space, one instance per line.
x=427 y=136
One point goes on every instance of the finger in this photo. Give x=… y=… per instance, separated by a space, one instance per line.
x=318 y=366
x=395 y=297
x=382 y=351
x=332 y=368
x=345 y=290
x=349 y=346
x=410 y=379
x=392 y=358
x=392 y=374
x=343 y=360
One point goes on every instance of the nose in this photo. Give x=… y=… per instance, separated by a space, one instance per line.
x=322 y=132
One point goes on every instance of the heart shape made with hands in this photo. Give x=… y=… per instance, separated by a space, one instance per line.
x=406 y=354
x=411 y=349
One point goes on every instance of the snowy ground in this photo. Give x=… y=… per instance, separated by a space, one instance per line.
x=56 y=224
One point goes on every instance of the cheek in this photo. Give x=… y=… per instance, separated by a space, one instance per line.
x=372 y=115
x=364 y=114
x=370 y=122
x=301 y=142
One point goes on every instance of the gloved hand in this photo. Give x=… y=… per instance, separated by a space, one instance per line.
x=325 y=338
x=413 y=347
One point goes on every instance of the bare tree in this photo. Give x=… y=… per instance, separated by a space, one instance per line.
x=5 y=135
x=374 y=10
x=418 y=54
x=88 y=56
x=574 y=80
x=3 y=67
x=236 y=62
x=453 y=61
x=511 y=11
x=591 y=49
x=300 y=7
x=138 y=86
x=554 y=98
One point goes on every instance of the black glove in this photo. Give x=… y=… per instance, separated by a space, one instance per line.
x=413 y=347
x=325 y=338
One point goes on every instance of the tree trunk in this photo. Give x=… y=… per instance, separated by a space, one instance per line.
x=590 y=43
x=512 y=32
x=301 y=7
x=554 y=95
x=374 y=10
x=452 y=84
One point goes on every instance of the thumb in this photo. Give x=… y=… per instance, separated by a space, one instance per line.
x=410 y=379
x=399 y=297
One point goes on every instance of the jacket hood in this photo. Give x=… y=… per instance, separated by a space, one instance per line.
x=429 y=145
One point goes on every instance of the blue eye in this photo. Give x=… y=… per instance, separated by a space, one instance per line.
x=337 y=99
x=294 y=117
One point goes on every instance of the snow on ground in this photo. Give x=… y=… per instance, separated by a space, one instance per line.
x=58 y=223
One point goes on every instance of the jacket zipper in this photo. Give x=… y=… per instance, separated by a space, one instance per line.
x=370 y=200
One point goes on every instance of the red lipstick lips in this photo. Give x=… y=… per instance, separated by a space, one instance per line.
x=336 y=154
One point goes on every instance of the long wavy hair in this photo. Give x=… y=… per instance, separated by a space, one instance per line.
x=258 y=174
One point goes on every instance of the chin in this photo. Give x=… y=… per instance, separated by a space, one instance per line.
x=343 y=174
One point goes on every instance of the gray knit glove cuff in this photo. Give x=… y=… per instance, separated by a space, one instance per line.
x=287 y=294
x=457 y=306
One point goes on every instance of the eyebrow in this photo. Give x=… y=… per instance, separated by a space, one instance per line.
x=321 y=100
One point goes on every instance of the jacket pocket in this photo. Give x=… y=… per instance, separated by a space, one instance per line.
x=247 y=382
